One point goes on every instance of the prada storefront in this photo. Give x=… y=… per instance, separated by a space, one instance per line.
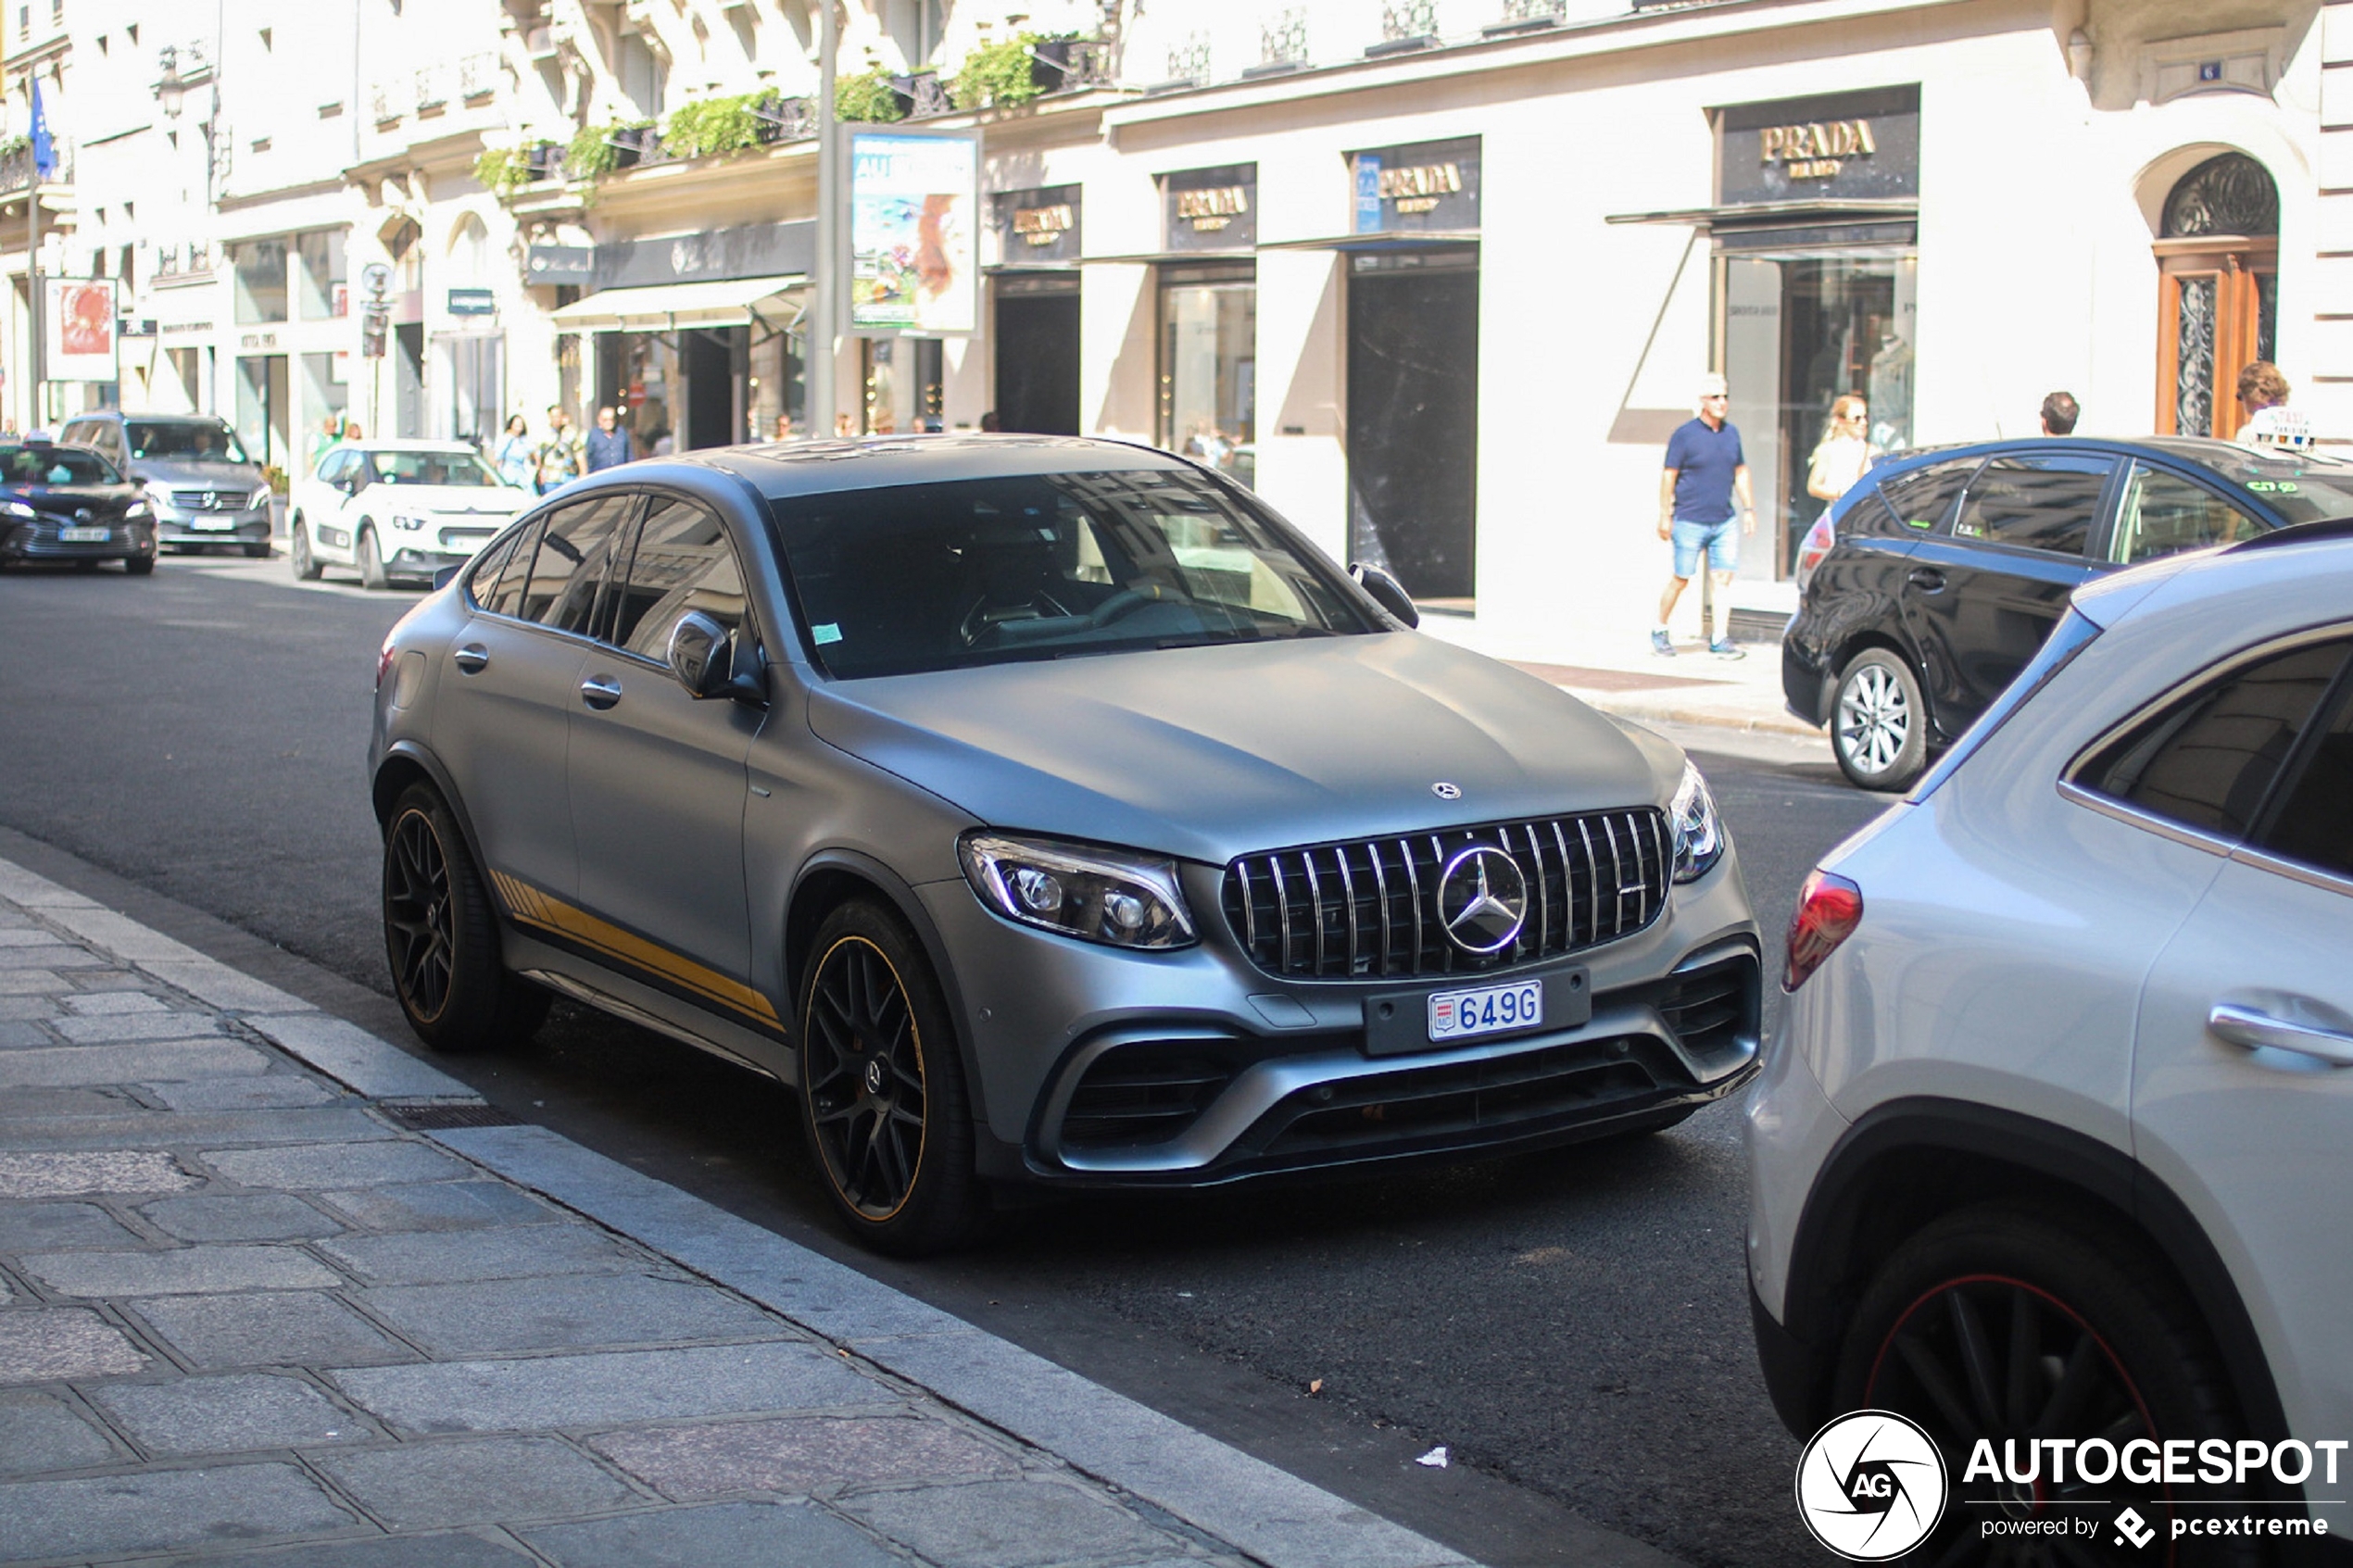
x=1035 y=288
x=1208 y=372
x=1817 y=258
x=1413 y=365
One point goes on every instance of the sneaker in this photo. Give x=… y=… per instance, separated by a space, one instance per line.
x=1660 y=646
x=1724 y=648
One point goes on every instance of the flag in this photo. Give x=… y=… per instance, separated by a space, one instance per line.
x=44 y=151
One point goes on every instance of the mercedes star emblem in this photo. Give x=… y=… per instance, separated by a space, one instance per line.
x=1482 y=900
x=875 y=1077
x=1447 y=791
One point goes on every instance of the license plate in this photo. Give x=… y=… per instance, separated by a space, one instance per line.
x=84 y=535
x=212 y=524
x=1489 y=1009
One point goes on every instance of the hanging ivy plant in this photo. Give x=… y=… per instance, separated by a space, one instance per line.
x=998 y=75
x=868 y=98
x=505 y=170
x=591 y=153
x=715 y=125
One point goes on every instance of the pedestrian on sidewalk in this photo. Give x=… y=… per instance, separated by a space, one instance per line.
x=608 y=444
x=1844 y=452
x=2271 y=425
x=2059 y=413
x=516 y=454
x=1705 y=472
x=558 y=459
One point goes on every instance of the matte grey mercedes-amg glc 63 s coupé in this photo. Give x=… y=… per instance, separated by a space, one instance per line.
x=1043 y=811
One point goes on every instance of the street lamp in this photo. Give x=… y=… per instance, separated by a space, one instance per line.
x=170 y=92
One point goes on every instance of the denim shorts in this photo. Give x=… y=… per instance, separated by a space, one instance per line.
x=1720 y=540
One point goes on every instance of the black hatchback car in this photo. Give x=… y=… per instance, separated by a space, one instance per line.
x=1931 y=584
x=70 y=504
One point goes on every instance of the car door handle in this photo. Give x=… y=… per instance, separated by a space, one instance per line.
x=601 y=690
x=1927 y=579
x=474 y=659
x=2252 y=1028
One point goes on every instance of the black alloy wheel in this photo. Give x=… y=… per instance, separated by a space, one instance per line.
x=441 y=937
x=372 y=560
x=882 y=1091
x=1993 y=1325
x=304 y=564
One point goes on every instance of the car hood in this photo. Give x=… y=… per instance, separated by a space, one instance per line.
x=184 y=471
x=1213 y=752
x=446 y=500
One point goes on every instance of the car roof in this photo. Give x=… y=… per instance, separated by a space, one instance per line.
x=785 y=469
x=2225 y=459
x=407 y=444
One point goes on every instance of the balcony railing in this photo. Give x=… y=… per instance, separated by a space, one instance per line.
x=386 y=102
x=15 y=167
x=433 y=89
x=478 y=76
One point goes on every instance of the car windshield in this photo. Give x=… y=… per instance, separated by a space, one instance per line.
x=979 y=571
x=429 y=467
x=195 y=440
x=2299 y=487
x=55 y=465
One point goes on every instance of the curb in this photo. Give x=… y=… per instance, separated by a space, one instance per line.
x=1266 y=1512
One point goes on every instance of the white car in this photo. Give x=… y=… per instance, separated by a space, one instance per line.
x=397 y=509
x=2055 y=1156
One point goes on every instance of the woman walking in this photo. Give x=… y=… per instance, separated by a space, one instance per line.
x=515 y=453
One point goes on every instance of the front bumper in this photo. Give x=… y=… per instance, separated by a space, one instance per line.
x=39 y=540
x=424 y=551
x=181 y=527
x=1096 y=1067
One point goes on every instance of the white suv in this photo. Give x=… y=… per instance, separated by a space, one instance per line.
x=397 y=509
x=2056 y=1150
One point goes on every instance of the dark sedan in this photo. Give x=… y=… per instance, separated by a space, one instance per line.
x=1927 y=586
x=70 y=504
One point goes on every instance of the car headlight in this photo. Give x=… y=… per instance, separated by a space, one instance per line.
x=158 y=498
x=1097 y=895
x=260 y=498
x=17 y=509
x=1699 y=832
x=408 y=524
x=137 y=511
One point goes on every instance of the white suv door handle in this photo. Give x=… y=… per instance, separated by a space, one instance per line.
x=2249 y=1027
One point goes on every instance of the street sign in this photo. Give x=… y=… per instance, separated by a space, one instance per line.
x=473 y=301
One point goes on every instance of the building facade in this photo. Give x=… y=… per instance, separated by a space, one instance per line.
x=1437 y=277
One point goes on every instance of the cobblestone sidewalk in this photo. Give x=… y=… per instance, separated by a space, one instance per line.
x=249 y=1315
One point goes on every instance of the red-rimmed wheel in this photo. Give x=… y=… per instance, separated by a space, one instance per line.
x=1997 y=1326
x=881 y=1088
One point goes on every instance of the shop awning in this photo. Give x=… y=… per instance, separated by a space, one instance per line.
x=729 y=302
x=1781 y=214
x=1166 y=258
x=1393 y=239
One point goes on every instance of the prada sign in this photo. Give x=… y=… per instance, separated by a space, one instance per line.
x=1851 y=145
x=1039 y=227
x=1210 y=210
x=1426 y=185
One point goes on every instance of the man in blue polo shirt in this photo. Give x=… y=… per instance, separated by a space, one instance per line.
x=1706 y=470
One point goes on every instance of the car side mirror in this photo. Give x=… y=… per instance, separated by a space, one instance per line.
x=446 y=576
x=704 y=658
x=1386 y=592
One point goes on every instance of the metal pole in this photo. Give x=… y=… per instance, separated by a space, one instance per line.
x=819 y=368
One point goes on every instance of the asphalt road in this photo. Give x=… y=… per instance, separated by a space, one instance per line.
x=1573 y=1326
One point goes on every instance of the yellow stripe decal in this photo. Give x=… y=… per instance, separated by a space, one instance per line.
x=528 y=906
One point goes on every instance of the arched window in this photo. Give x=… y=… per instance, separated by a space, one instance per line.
x=469 y=253
x=2218 y=296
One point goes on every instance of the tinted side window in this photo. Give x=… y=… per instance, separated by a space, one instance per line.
x=502 y=594
x=1919 y=498
x=2162 y=513
x=2314 y=823
x=481 y=578
x=2208 y=761
x=570 y=564
x=2036 y=503
x=683 y=562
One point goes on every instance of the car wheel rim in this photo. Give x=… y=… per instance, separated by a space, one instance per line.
x=1988 y=1357
x=1874 y=719
x=862 y=1075
x=417 y=914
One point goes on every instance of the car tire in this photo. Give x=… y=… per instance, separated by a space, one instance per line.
x=1974 y=1328
x=1879 y=725
x=139 y=565
x=372 y=560
x=298 y=555
x=883 y=1101
x=441 y=937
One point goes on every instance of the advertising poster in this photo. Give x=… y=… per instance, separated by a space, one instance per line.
x=78 y=320
x=914 y=233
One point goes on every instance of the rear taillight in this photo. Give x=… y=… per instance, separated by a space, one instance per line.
x=1829 y=909
x=1818 y=543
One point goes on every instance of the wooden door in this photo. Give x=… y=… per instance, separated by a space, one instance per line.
x=2217 y=311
